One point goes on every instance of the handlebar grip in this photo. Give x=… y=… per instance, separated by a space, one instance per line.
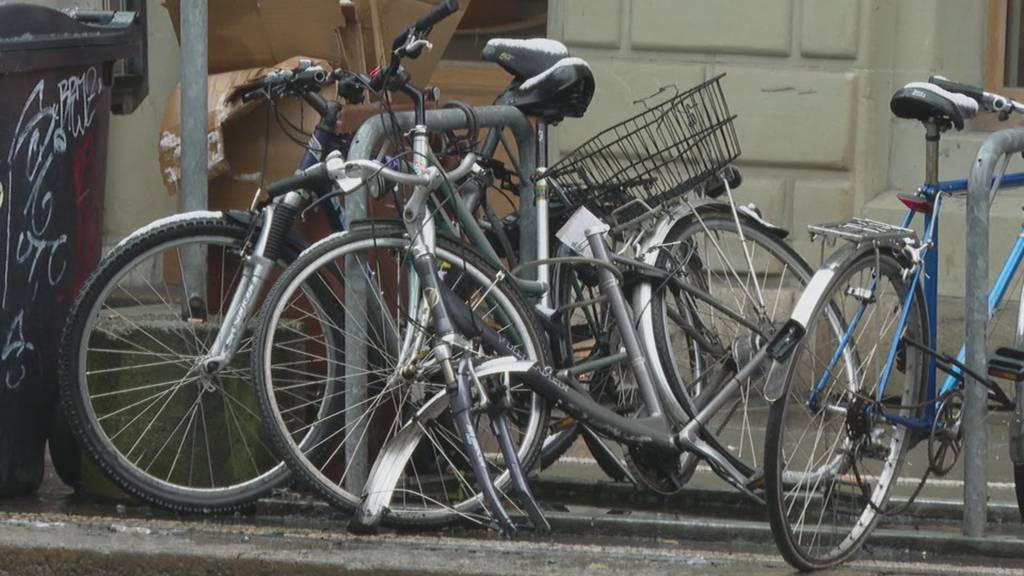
x=313 y=177
x=959 y=88
x=436 y=14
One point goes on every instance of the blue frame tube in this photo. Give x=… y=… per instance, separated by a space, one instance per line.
x=812 y=402
x=995 y=297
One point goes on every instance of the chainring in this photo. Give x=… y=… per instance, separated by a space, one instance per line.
x=946 y=434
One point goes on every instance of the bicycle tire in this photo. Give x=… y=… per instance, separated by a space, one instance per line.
x=742 y=444
x=858 y=439
x=306 y=465
x=75 y=397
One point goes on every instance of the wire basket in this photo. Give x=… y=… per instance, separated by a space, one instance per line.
x=655 y=156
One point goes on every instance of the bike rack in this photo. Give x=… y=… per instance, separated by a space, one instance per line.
x=980 y=189
x=364 y=144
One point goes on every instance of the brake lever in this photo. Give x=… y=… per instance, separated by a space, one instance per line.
x=414 y=49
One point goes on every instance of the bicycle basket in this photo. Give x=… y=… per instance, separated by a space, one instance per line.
x=654 y=156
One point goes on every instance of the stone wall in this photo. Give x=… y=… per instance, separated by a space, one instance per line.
x=810 y=81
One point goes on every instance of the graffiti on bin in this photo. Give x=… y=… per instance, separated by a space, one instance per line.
x=54 y=121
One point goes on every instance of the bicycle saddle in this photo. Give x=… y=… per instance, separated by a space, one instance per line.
x=922 y=101
x=524 y=58
x=548 y=83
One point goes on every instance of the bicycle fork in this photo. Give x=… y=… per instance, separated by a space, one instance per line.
x=277 y=221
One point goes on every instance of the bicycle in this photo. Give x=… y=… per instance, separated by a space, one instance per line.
x=154 y=367
x=430 y=338
x=857 y=365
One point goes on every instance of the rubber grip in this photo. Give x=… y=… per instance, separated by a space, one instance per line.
x=959 y=88
x=436 y=14
x=313 y=177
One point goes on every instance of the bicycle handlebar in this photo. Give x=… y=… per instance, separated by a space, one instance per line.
x=987 y=100
x=436 y=14
x=336 y=168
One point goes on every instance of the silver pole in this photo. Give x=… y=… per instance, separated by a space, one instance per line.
x=193 y=135
x=979 y=197
x=975 y=394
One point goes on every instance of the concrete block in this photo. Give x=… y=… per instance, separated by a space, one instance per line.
x=816 y=202
x=830 y=28
x=768 y=194
x=592 y=23
x=736 y=26
x=619 y=84
x=793 y=117
x=906 y=168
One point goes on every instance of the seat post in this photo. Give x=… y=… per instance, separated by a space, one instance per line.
x=541 y=203
x=931 y=165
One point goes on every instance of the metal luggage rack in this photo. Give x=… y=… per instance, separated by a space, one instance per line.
x=666 y=151
x=861 y=230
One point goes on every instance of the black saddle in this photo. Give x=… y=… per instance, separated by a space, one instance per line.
x=547 y=82
x=924 y=101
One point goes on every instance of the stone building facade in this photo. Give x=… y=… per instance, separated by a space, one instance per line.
x=810 y=81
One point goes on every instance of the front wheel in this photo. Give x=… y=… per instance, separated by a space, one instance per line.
x=392 y=385
x=130 y=381
x=834 y=445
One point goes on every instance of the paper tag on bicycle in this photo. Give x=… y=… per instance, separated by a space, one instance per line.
x=574 y=232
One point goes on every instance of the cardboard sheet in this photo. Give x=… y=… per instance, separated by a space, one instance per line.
x=250 y=37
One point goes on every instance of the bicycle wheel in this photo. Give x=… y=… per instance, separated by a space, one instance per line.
x=130 y=383
x=833 y=452
x=749 y=269
x=382 y=390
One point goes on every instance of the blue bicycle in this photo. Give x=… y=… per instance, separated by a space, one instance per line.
x=858 y=358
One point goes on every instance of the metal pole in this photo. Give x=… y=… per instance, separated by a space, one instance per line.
x=976 y=333
x=193 y=135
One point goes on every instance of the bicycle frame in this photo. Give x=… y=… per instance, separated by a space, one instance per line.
x=930 y=204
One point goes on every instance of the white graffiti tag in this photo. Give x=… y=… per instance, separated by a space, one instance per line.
x=15 y=347
x=36 y=251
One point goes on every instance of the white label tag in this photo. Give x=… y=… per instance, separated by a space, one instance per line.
x=574 y=232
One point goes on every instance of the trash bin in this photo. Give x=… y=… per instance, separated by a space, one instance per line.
x=56 y=90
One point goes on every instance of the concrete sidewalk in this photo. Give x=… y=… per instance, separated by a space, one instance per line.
x=702 y=531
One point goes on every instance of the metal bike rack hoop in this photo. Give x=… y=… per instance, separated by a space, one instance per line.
x=364 y=146
x=979 y=189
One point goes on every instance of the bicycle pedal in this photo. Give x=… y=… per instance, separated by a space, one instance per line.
x=1008 y=364
x=756 y=481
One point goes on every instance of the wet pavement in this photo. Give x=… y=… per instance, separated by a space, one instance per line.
x=705 y=530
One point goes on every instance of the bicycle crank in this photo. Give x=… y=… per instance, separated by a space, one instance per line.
x=946 y=434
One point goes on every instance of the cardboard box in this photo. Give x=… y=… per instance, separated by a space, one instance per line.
x=257 y=33
x=354 y=34
x=248 y=38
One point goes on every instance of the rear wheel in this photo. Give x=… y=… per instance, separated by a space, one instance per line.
x=834 y=451
x=750 y=270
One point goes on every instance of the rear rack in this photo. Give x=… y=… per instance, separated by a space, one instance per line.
x=861 y=230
